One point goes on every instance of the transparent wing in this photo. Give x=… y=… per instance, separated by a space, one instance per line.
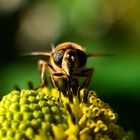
x=94 y=54
x=37 y=54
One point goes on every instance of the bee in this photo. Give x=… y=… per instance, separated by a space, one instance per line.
x=66 y=64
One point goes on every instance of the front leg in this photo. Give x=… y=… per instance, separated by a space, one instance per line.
x=60 y=81
x=42 y=69
x=85 y=73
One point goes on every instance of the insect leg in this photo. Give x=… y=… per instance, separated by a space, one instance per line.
x=74 y=85
x=85 y=73
x=60 y=81
x=42 y=69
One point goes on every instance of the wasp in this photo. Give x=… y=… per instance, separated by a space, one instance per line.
x=66 y=64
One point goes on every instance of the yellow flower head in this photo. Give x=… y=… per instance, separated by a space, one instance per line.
x=38 y=115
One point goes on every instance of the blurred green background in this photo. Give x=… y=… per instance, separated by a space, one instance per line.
x=101 y=26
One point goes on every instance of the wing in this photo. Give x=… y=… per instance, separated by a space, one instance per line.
x=94 y=54
x=37 y=54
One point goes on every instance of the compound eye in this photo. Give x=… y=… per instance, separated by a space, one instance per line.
x=58 y=57
x=82 y=58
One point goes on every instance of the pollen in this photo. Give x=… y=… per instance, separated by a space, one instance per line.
x=38 y=114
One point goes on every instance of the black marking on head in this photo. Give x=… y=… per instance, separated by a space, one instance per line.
x=58 y=57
